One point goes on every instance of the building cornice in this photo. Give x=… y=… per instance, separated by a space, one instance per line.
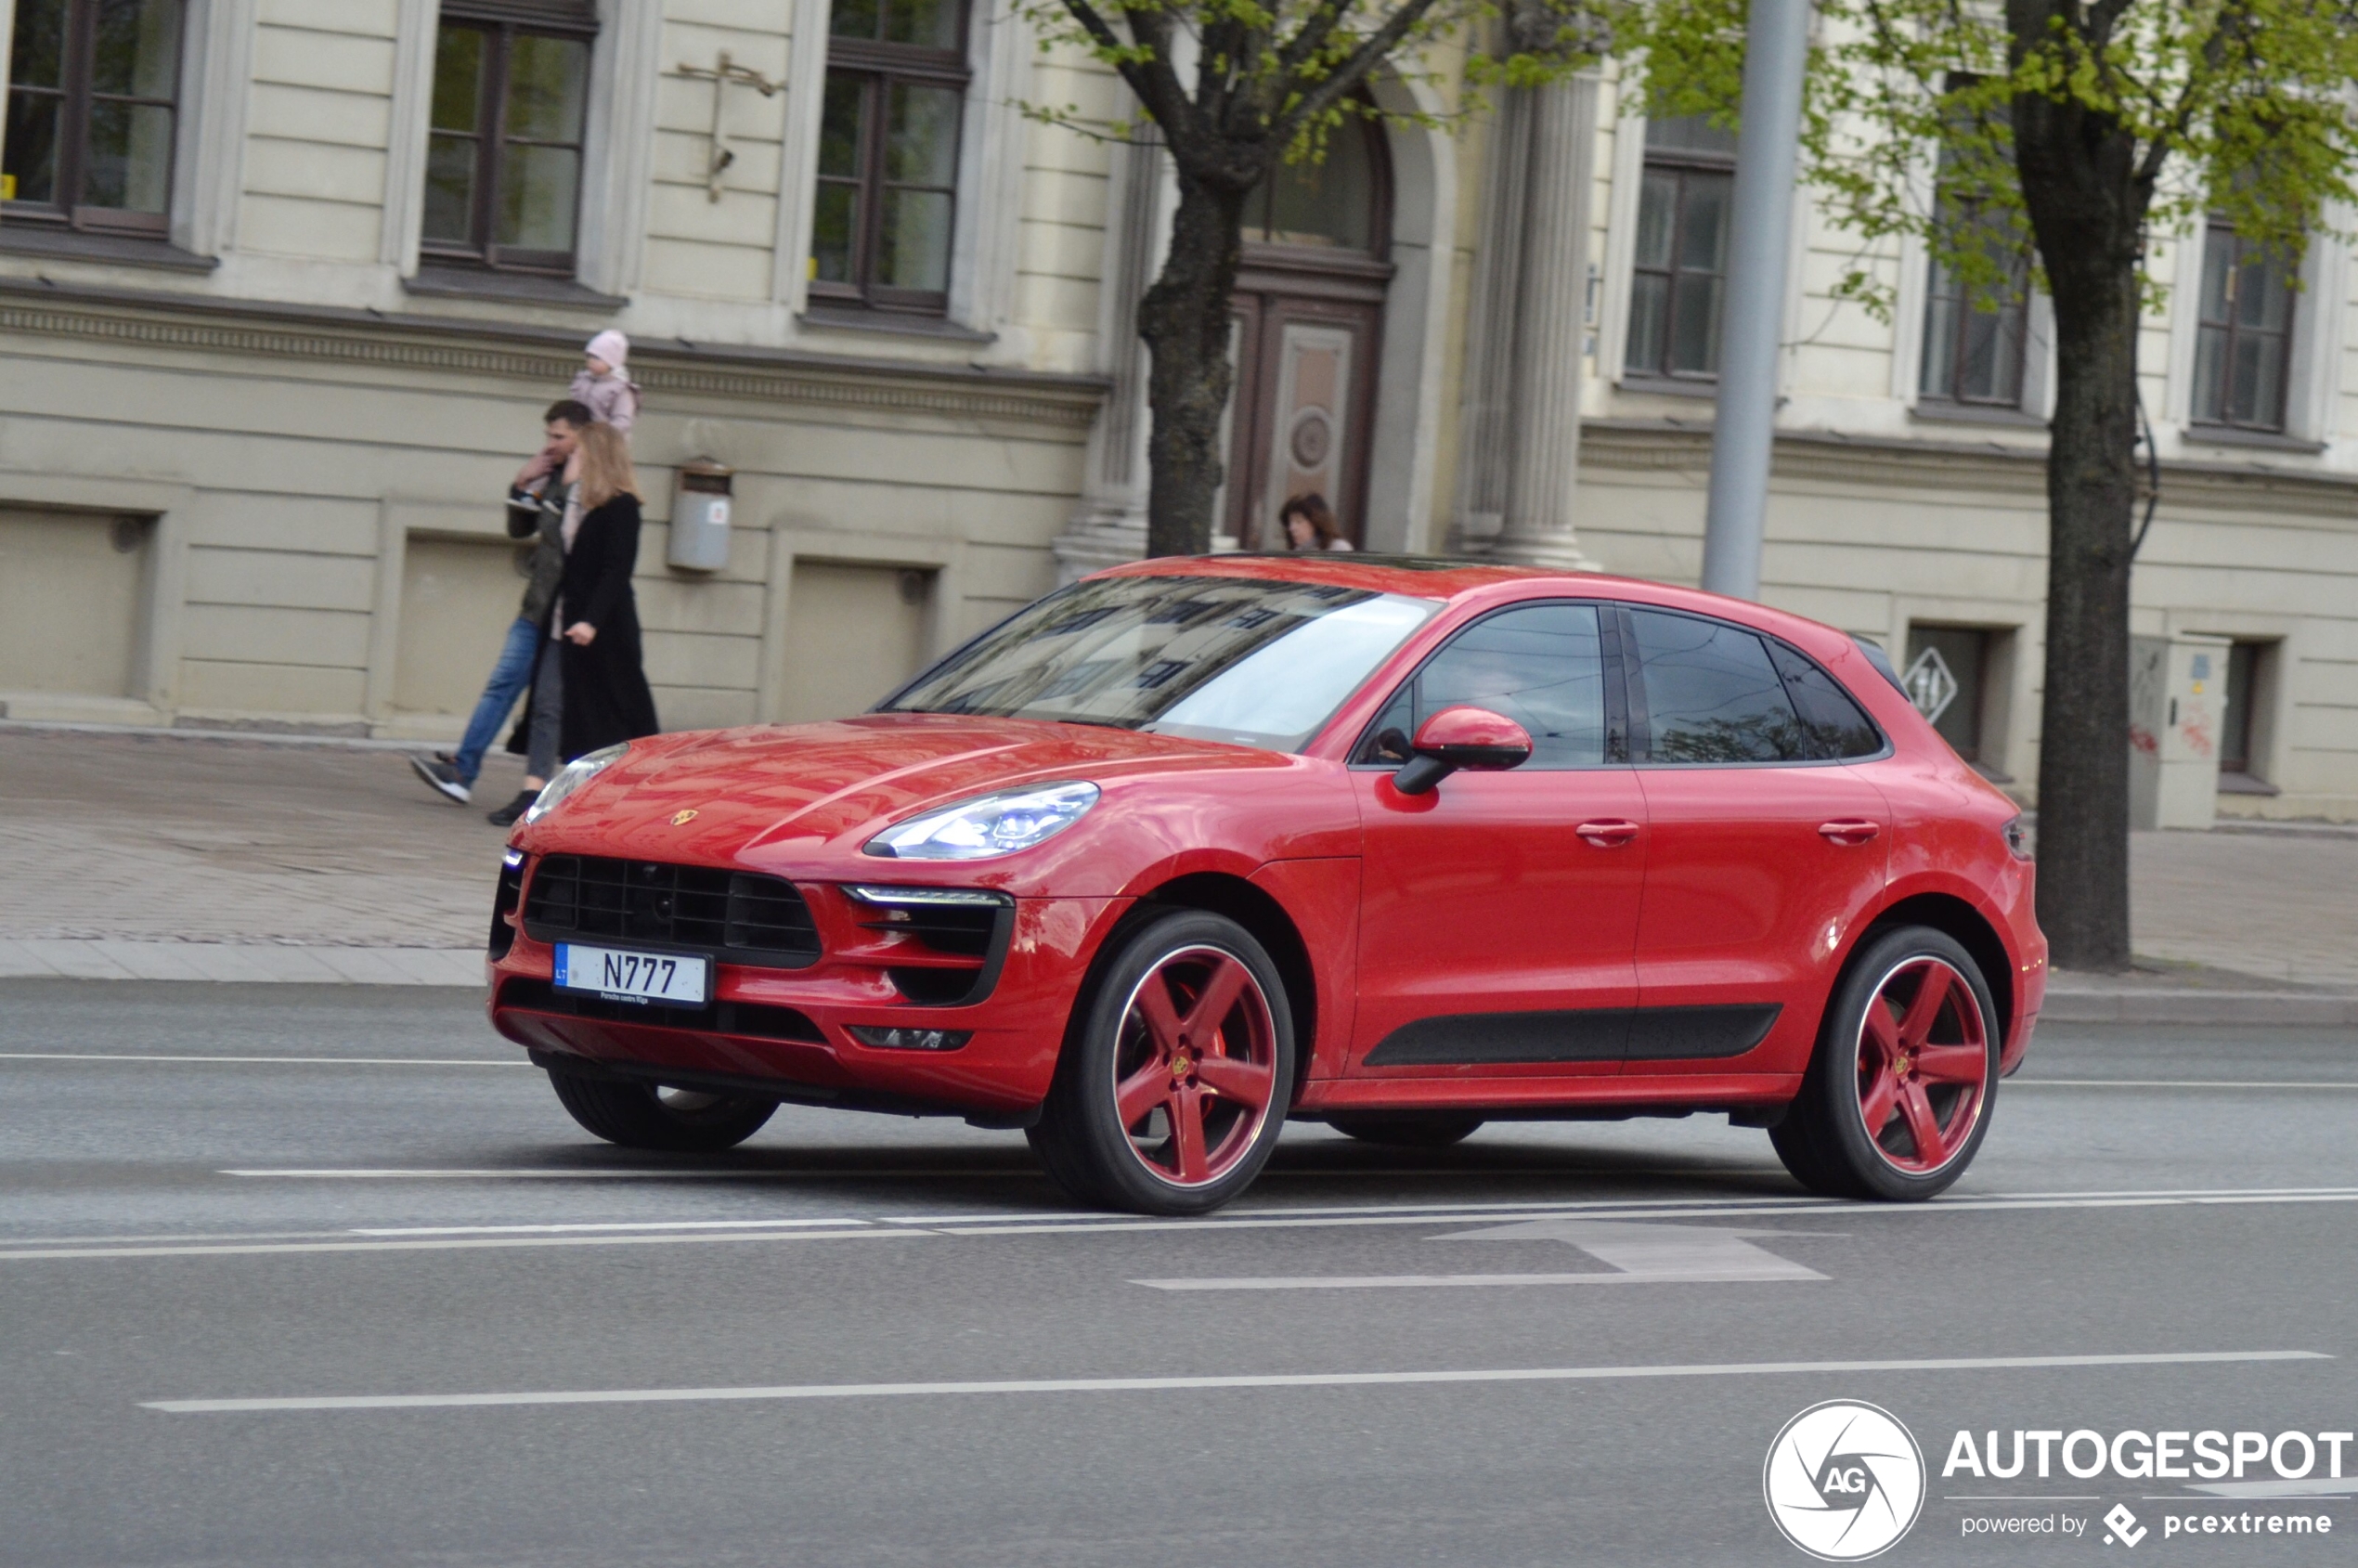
x=325 y=335
x=2017 y=466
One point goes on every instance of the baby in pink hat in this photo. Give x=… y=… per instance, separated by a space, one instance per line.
x=605 y=384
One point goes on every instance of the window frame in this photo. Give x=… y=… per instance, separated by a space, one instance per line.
x=2013 y=318
x=2229 y=331
x=880 y=66
x=502 y=24
x=77 y=98
x=1684 y=164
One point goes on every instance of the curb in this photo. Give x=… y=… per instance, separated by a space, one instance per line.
x=2259 y=1007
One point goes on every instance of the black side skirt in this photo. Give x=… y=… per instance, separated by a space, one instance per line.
x=1581 y=1035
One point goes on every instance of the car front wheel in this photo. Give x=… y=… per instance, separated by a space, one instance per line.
x=1899 y=1094
x=644 y=1115
x=1176 y=1071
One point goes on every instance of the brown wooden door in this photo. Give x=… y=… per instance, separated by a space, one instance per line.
x=1304 y=403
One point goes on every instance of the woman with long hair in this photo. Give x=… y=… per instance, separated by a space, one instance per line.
x=596 y=613
x=1309 y=523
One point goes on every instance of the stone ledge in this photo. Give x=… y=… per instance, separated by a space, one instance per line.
x=313 y=334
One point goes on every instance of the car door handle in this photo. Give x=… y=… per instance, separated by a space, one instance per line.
x=1851 y=832
x=1608 y=834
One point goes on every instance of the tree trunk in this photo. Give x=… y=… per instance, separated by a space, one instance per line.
x=2087 y=202
x=1183 y=319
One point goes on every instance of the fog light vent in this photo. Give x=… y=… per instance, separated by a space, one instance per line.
x=898 y=1039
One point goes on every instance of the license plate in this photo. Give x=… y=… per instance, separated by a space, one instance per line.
x=663 y=980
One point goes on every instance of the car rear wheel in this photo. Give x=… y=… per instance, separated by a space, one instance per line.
x=1899 y=1094
x=1406 y=1129
x=1176 y=1070
x=646 y=1116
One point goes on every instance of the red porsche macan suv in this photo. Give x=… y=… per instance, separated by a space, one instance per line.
x=1196 y=846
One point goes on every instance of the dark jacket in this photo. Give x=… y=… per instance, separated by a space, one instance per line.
x=606 y=688
x=538 y=512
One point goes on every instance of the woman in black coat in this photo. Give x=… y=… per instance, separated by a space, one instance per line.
x=606 y=688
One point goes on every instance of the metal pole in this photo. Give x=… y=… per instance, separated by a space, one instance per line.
x=1753 y=311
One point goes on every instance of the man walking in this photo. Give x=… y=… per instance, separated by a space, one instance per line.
x=535 y=511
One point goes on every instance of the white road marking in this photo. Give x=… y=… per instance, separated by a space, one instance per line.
x=1444 y=1282
x=1136 y=1385
x=2179 y=1083
x=604 y=1225
x=613 y=1173
x=1639 y=1254
x=459 y=1243
x=1022 y=1225
x=275 y=1061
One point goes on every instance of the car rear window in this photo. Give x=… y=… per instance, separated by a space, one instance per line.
x=1712 y=694
x=1835 y=719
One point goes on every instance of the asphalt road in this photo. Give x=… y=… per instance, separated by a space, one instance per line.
x=235 y=1223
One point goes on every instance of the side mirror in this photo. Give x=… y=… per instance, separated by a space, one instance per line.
x=1472 y=738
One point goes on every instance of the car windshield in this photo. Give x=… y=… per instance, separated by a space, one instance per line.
x=1260 y=664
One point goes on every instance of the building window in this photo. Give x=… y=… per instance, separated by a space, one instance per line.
x=1334 y=204
x=1682 y=249
x=94 y=109
x=887 y=193
x=2243 y=351
x=503 y=156
x=1975 y=336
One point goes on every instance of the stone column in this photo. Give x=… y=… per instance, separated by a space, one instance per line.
x=1109 y=526
x=1550 y=328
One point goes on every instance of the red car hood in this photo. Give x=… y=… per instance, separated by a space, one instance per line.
x=774 y=795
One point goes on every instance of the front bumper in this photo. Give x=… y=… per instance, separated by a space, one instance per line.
x=786 y=1031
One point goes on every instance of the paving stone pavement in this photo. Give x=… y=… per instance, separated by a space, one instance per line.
x=174 y=856
x=184 y=856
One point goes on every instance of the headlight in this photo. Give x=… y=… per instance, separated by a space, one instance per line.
x=571 y=777
x=995 y=824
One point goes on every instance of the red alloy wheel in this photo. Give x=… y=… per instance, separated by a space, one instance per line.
x=1195 y=1068
x=1924 y=1065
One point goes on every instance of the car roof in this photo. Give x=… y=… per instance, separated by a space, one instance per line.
x=1432 y=576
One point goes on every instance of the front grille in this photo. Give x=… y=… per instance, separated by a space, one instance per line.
x=737 y=914
x=755 y=1018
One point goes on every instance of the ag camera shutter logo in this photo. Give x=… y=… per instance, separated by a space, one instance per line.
x=1844 y=1481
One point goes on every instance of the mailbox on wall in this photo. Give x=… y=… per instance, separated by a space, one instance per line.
x=700 y=504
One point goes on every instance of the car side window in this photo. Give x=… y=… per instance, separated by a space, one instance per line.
x=1711 y=693
x=1542 y=666
x=1832 y=717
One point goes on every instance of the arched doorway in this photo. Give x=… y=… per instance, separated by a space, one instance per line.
x=1309 y=330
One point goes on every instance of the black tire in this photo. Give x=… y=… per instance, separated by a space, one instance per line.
x=1081 y=1137
x=676 y=1121
x=1406 y=1129
x=1823 y=1139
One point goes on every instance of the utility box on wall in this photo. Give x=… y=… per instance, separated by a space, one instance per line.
x=2177 y=712
x=700 y=504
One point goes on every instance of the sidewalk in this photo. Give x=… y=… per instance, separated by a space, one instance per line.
x=187 y=856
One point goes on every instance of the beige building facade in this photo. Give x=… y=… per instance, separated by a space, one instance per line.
x=284 y=285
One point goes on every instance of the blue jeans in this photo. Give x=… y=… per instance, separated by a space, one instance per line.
x=509 y=677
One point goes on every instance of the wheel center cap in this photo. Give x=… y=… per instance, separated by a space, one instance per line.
x=1180 y=1068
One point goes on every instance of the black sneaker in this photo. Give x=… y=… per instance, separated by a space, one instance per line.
x=443 y=778
x=506 y=815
